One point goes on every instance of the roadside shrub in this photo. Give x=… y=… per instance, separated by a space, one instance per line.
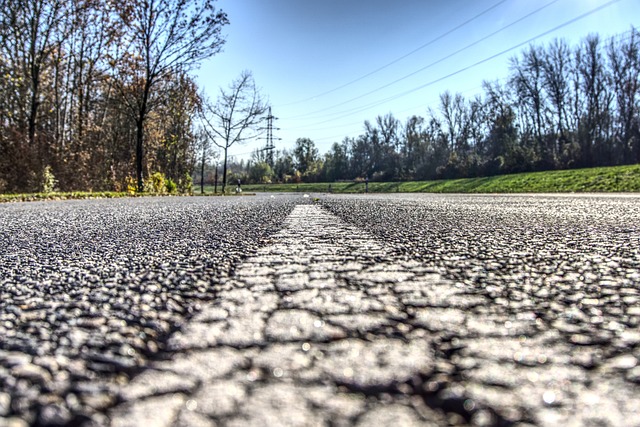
x=131 y=185
x=49 y=181
x=155 y=183
x=170 y=186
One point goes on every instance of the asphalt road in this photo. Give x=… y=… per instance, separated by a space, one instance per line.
x=324 y=310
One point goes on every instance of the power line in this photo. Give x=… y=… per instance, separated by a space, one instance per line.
x=337 y=138
x=341 y=137
x=461 y=70
x=351 y=124
x=356 y=110
x=519 y=45
x=430 y=42
x=431 y=64
x=305 y=127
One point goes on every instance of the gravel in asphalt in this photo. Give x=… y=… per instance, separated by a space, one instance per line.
x=361 y=310
x=90 y=290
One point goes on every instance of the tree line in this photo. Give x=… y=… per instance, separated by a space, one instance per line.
x=560 y=107
x=97 y=93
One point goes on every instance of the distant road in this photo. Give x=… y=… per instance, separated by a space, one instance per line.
x=341 y=310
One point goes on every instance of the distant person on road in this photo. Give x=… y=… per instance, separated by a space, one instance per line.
x=238 y=188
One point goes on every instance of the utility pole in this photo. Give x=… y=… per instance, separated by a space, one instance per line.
x=270 y=147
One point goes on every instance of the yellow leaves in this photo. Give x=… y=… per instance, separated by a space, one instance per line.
x=131 y=185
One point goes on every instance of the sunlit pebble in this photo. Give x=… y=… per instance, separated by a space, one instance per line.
x=549 y=397
x=306 y=346
x=624 y=362
x=517 y=356
x=405 y=389
x=469 y=405
x=318 y=323
x=483 y=418
x=542 y=359
x=278 y=373
x=615 y=326
x=347 y=372
x=121 y=379
x=432 y=386
x=385 y=398
x=455 y=419
x=533 y=376
x=591 y=399
x=253 y=375
x=293 y=330
x=305 y=196
x=457 y=390
x=191 y=405
x=508 y=324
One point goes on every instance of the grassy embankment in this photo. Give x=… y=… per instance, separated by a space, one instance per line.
x=77 y=195
x=606 y=180
x=34 y=197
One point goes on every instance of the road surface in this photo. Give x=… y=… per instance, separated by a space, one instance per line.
x=321 y=310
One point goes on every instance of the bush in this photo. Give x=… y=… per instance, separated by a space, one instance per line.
x=49 y=181
x=170 y=186
x=131 y=185
x=155 y=183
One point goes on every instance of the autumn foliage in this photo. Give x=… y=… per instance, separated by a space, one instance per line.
x=97 y=92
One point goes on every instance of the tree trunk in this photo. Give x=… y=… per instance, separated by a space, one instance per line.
x=215 y=181
x=33 y=111
x=142 y=115
x=202 y=172
x=139 y=151
x=224 y=170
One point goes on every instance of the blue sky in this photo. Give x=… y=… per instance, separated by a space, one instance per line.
x=326 y=66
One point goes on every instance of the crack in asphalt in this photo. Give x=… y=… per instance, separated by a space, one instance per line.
x=327 y=313
x=301 y=314
x=359 y=311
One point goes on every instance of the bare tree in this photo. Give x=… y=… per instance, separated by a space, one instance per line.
x=456 y=118
x=206 y=154
x=527 y=83
x=34 y=24
x=234 y=117
x=593 y=122
x=29 y=29
x=556 y=65
x=162 y=37
x=624 y=57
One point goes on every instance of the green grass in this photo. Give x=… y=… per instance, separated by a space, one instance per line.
x=34 y=197
x=604 y=180
x=31 y=197
x=618 y=179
